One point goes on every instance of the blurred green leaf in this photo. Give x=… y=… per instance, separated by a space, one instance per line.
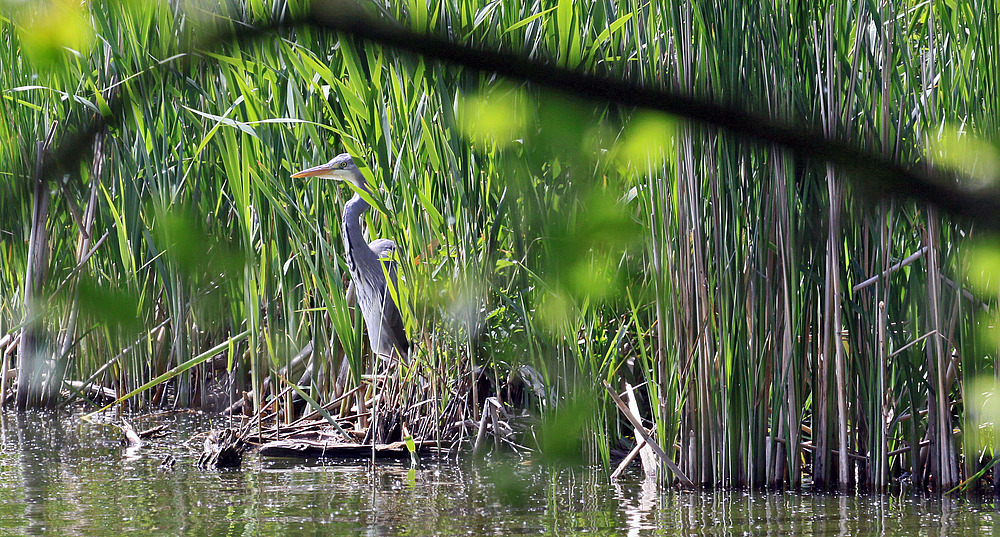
x=583 y=258
x=647 y=141
x=560 y=437
x=987 y=330
x=983 y=269
x=564 y=124
x=512 y=487
x=109 y=305
x=978 y=159
x=53 y=28
x=982 y=396
x=499 y=117
x=555 y=312
x=186 y=241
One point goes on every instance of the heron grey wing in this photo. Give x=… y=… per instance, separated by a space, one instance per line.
x=392 y=321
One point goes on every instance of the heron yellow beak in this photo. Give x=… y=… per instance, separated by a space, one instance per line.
x=323 y=170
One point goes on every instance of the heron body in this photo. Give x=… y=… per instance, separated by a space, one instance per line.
x=368 y=263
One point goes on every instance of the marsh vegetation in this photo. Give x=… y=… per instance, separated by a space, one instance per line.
x=781 y=315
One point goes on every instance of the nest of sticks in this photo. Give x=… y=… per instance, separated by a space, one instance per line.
x=386 y=417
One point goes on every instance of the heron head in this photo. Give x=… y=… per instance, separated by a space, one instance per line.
x=341 y=168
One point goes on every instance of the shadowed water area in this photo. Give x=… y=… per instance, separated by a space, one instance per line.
x=63 y=476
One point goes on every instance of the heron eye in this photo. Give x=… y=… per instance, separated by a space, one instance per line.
x=343 y=165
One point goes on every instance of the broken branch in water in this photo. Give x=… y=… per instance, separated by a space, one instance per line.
x=645 y=436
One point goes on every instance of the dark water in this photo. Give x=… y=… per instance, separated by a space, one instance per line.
x=62 y=476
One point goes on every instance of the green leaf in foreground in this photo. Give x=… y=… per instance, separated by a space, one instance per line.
x=499 y=118
x=561 y=436
x=983 y=268
x=51 y=32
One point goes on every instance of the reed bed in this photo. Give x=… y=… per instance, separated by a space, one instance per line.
x=780 y=320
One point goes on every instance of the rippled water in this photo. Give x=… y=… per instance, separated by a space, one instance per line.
x=62 y=476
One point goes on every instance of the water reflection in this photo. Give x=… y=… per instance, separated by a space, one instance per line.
x=638 y=510
x=61 y=476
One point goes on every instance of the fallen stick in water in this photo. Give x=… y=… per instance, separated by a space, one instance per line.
x=645 y=436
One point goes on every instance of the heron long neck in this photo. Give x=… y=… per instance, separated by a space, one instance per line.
x=354 y=240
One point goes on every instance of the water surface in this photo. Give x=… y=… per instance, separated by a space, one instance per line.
x=62 y=476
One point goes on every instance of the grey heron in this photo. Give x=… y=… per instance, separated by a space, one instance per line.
x=365 y=263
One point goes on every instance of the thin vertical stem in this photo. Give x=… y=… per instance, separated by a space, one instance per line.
x=28 y=359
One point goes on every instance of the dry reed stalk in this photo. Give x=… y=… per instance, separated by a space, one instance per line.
x=28 y=358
